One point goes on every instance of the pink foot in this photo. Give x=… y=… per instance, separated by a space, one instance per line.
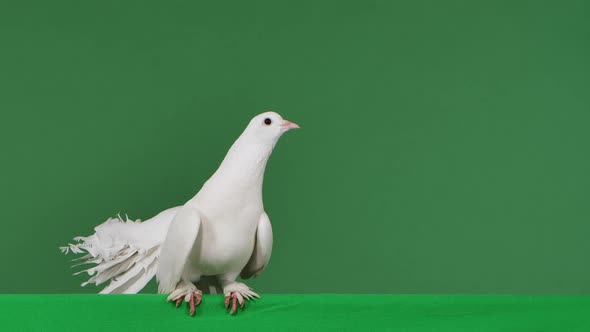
x=194 y=301
x=233 y=297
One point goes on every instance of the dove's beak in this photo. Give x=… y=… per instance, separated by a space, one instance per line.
x=288 y=125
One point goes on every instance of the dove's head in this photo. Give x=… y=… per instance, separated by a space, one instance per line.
x=268 y=127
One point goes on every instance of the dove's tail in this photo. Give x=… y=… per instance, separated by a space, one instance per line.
x=123 y=251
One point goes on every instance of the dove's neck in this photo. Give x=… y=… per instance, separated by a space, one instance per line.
x=244 y=165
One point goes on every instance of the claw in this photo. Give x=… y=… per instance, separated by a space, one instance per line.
x=192 y=305
x=226 y=301
x=198 y=298
x=234 y=305
x=179 y=301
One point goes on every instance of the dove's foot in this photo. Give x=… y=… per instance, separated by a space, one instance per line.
x=187 y=292
x=237 y=293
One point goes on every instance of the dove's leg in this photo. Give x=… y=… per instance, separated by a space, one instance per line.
x=187 y=291
x=235 y=292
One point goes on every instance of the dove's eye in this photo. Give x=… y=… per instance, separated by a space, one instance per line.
x=267 y=121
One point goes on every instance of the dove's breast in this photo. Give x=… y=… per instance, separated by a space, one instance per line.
x=226 y=237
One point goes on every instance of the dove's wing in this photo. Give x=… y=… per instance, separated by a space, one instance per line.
x=262 y=249
x=176 y=248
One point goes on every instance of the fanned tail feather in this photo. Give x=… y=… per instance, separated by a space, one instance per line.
x=123 y=251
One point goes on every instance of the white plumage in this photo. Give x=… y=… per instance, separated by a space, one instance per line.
x=219 y=234
x=124 y=251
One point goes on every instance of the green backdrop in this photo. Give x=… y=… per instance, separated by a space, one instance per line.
x=444 y=144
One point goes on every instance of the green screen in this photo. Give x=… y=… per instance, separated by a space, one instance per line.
x=444 y=144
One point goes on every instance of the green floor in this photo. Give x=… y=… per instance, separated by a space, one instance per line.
x=298 y=312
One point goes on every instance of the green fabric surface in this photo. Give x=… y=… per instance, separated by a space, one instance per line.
x=298 y=312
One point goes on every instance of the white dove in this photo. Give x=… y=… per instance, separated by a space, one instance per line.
x=222 y=232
